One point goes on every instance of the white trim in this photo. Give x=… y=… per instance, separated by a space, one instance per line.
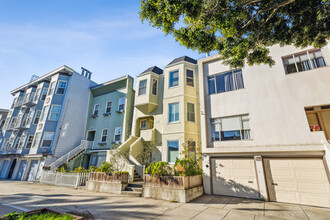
x=95 y=108
x=43 y=139
x=106 y=106
x=194 y=112
x=169 y=78
x=51 y=111
x=119 y=103
x=27 y=141
x=189 y=77
x=42 y=92
x=43 y=113
x=114 y=134
x=167 y=148
x=35 y=115
x=168 y=115
x=58 y=83
x=106 y=136
x=146 y=86
x=50 y=88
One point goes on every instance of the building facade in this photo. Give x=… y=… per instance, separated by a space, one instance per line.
x=109 y=119
x=265 y=131
x=46 y=120
x=3 y=116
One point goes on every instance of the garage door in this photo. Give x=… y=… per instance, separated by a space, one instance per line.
x=21 y=170
x=31 y=176
x=302 y=181
x=235 y=177
x=4 y=168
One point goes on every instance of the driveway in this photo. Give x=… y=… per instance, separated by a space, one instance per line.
x=24 y=196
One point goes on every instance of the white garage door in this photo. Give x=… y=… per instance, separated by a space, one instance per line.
x=302 y=181
x=4 y=168
x=235 y=177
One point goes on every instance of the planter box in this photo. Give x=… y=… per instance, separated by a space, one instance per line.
x=102 y=182
x=45 y=210
x=173 y=188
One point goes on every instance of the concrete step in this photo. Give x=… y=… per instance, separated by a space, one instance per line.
x=135 y=185
x=137 y=179
x=131 y=193
x=134 y=189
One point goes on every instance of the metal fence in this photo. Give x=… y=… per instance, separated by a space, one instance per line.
x=64 y=179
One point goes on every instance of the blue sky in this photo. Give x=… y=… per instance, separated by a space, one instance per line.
x=105 y=36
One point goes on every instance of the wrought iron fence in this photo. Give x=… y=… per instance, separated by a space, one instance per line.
x=72 y=180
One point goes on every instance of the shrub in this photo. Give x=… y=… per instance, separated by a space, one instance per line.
x=187 y=167
x=105 y=167
x=61 y=170
x=79 y=170
x=159 y=169
x=121 y=172
x=92 y=169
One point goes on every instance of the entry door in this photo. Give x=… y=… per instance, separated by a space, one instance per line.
x=302 y=181
x=21 y=170
x=33 y=170
x=4 y=169
x=235 y=177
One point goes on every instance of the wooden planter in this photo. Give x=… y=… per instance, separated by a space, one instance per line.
x=104 y=177
x=174 y=182
x=173 y=188
x=45 y=210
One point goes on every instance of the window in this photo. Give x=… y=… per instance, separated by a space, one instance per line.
x=61 y=87
x=48 y=138
x=225 y=82
x=44 y=94
x=29 y=141
x=121 y=106
x=173 y=151
x=10 y=142
x=44 y=113
x=55 y=112
x=104 y=135
x=108 y=107
x=174 y=78
x=21 y=141
x=303 y=61
x=173 y=112
x=96 y=109
x=154 y=86
x=143 y=87
x=190 y=78
x=36 y=140
x=318 y=118
x=231 y=128
x=37 y=95
x=37 y=117
x=143 y=124
x=190 y=112
x=51 y=88
x=117 y=134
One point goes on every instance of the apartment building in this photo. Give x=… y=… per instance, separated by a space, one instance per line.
x=3 y=116
x=165 y=111
x=109 y=119
x=46 y=120
x=265 y=131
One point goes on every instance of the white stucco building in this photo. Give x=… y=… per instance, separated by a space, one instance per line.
x=265 y=130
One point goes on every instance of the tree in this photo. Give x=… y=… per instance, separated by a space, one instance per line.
x=241 y=30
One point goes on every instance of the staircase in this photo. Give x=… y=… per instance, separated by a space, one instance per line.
x=135 y=188
x=84 y=145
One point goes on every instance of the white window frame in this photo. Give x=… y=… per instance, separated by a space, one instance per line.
x=102 y=135
x=43 y=139
x=58 y=86
x=51 y=89
x=27 y=141
x=169 y=151
x=42 y=116
x=106 y=106
x=193 y=78
x=44 y=93
x=36 y=141
x=169 y=79
x=114 y=137
x=152 y=87
x=188 y=112
x=169 y=104
x=97 y=110
x=145 y=87
x=121 y=104
x=35 y=116
x=37 y=94
x=51 y=112
x=142 y=120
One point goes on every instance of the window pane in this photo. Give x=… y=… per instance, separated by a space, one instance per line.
x=190 y=77
x=174 y=112
x=211 y=85
x=173 y=151
x=61 y=87
x=154 y=87
x=191 y=112
x=174 y=78
x=230 y=135
x=143 y=87
x=220 y=83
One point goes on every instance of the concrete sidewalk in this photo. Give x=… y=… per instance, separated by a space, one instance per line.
x=21 y=196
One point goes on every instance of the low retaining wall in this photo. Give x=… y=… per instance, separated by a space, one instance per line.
x=173 y=188
x=102 y=182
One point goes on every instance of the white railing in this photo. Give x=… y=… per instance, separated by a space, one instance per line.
x=84 y=145
x=72 y=180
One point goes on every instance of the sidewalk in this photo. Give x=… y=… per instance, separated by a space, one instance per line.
x=22 y=196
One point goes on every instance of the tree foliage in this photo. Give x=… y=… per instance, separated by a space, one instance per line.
x=241 y=30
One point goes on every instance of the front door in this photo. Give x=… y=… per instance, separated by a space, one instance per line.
x=91 y=136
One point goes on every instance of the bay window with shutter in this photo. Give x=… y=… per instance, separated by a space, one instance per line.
x=230 y=128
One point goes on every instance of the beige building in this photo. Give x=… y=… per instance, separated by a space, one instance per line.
x=265 y=131
x=166 y=111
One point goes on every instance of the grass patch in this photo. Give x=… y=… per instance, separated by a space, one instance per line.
x=37 y=216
